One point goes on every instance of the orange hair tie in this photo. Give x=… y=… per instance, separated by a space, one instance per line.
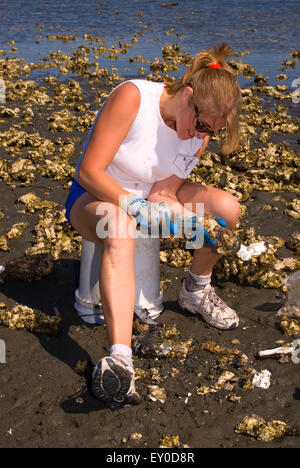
x=214 y=65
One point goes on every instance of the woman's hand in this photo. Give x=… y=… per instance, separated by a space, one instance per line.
x=184 y=221
x=152 y=217
x=203 y=147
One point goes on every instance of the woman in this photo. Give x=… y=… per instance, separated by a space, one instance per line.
x=146 y=140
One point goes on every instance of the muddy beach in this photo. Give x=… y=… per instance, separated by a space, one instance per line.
x=45 y=398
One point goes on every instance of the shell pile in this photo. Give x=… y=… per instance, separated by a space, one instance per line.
x=258 y=428
x=161 y=342
x=23 y=317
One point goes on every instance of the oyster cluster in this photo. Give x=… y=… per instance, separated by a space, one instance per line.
x=169 y=442
x=27 y=91
x=257 y=427
x=172 y=58
x=81 y=367
x=156 y=393
x=161 y=342
x=14 y=141
x=34 y=203
x=28 y=269
x=268 y=270
x=289 y=326
x=293 y=208
x=23 y=171
x=222 y=383
x=294 y=242
x=176 y=257
x=54 y=235
x=23 y=317
x=274 y=168
x=15 y=232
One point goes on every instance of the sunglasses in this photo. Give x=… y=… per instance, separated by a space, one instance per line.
x=202 y=127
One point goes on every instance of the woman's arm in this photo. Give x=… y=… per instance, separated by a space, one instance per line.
x=110 y=130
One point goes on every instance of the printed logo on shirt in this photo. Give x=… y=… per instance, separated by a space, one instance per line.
x=183 y=165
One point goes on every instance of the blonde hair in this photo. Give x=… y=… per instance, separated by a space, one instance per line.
x=216 y=91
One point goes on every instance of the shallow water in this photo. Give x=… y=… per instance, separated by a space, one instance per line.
x=269 y=29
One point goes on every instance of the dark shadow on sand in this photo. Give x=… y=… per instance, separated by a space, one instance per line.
x=57 y=291
x=297 y=394
x=269 y=307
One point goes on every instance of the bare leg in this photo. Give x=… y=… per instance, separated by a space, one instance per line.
x=117 y=289
x=117 y=286
x=216 y=203
x=203 y=299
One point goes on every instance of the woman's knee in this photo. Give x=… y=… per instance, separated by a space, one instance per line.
x=113 y=223
x=97 y=221
x=228 y=208
x=118 y=249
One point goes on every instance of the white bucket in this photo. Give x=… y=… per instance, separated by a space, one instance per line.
x=147 y=277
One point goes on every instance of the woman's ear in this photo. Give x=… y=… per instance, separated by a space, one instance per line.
x=187 y=94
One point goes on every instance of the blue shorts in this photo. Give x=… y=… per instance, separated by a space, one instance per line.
x=75 y=191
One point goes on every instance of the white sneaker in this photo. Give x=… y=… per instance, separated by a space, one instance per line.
x=211 y=307
x=114 y=384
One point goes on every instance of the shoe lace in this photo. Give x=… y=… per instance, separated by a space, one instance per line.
x=213 y=298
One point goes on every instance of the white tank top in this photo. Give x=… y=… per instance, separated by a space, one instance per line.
x=151 y=151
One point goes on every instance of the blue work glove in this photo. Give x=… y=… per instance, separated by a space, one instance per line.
x=153 y=218
x=195 y=232
x=209 y=242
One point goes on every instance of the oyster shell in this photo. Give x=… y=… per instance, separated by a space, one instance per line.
x=34 y=203
x=227 y=355
x=28 y=269
x=289 y=326
x=3 y=244
x=62 y=121
x=160 y=342
x=156 y=393
x=293 y=208
x=294 y=242
x=54 y=235
x=257 y=427
x=23 y=317
x=169 y=442
x=16 y=231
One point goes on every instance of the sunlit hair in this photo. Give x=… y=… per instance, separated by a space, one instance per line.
x=216 y=91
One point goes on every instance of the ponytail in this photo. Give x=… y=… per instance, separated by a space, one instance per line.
x=216 y=90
